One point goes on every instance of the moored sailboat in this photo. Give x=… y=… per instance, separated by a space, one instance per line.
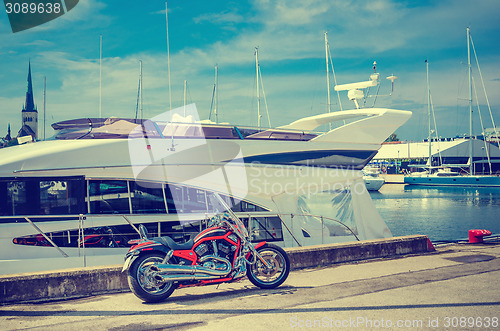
x=443 y=175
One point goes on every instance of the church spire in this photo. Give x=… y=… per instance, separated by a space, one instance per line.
x=29 y=104
x=29 y=113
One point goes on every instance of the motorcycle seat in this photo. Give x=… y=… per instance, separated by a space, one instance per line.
x=170 y=243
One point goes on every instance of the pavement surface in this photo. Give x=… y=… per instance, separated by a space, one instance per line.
x=457 y=287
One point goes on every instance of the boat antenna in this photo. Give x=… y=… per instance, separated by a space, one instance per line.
x=375 y=74
x=168 y=60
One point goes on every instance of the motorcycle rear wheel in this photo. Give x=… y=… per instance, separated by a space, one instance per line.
x=142 y=283
x=266 y=278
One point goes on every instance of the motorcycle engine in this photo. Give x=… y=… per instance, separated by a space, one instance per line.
x=220 y=248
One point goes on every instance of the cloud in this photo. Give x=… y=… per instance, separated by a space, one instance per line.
x=44 y=43
x=291 y=13
x=228 y=17
x=290 y=37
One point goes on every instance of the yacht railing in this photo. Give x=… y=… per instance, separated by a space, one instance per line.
x=81 y=235
x=203 y=224
x=157 y=127
x=131 y=224
x=46 y=237
x=322 y=218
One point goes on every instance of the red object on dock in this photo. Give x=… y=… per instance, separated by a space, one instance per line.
x=476 y=236
x=430 y=246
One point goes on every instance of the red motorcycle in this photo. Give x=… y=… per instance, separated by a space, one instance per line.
x=220 y=254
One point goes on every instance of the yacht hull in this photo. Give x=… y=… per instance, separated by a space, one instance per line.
x=467 y=181
x=373 y=183
x=81 y=198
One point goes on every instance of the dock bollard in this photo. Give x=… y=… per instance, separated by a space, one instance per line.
x=476 y=236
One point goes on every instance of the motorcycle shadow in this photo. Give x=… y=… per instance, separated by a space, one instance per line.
x=194 y=295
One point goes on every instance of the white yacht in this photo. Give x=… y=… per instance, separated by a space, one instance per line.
x=372 y=179
x=84 y=192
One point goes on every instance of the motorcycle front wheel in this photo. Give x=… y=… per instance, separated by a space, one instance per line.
x=274 y=276
x=143 y=284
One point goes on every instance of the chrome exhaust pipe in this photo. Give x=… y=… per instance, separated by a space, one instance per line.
x=184 y=277
x=189 y=270
x=175 y=272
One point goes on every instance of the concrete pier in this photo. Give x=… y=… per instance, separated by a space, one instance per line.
x=75 y=283
x=454 y=287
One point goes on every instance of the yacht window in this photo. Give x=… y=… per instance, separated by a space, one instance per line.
x=182 y=199
x=109 y=197
x=61 y=197
x=173 y=194
x=195 y=200
x=265 y=228
x=244 y=206
x=147 y=198
x=17 y=194
x=46 y=196
x=230 y=201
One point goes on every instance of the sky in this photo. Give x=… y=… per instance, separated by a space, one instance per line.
x=398 y=35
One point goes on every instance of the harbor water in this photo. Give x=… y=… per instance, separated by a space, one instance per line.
x=441 y=213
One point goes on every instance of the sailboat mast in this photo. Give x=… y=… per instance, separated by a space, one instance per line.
x=44 y=96
x=100 y=75
x=328 y=104
x=258 y=90
x=469 y=69
x=138 y=107
x=216 y=96
x=429 y=161
x=185 y=92
x=168 y=60
x=140 y=87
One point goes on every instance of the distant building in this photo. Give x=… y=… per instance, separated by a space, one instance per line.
x=8 y=137
x=29 y=113
x=492 y=135
x=4 y=142
x=453 y=153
